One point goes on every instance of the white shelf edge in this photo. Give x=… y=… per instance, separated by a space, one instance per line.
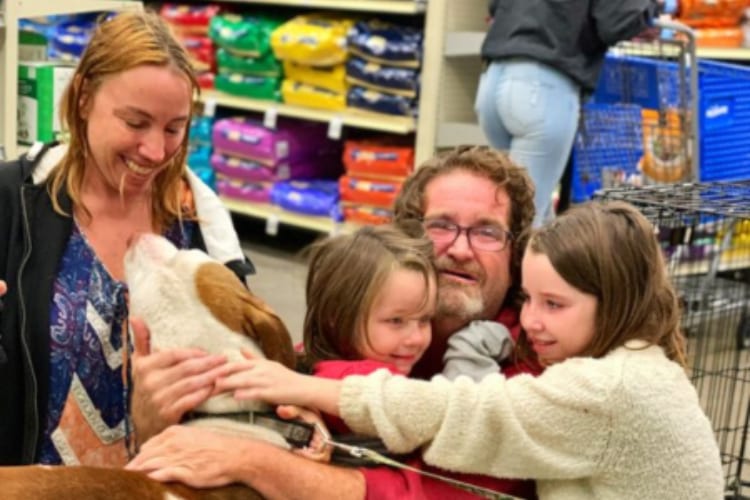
x=702 y=267
x=266 y=211
x=379 y=6
x=452 y=134
x=36 y=8
x=463 y=43
x=348 y=117
x=735 y=54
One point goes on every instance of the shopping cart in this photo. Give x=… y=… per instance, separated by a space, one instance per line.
x=638 y=128
x=704 y=229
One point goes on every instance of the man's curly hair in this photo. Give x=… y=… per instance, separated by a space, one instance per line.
x=490 y=163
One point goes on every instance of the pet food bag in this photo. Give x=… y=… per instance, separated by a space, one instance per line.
x=188 y=19
x=380 y=102
x=254 y=192
x=319 y=198
x=264 y=65
x=254 y=87
x=384 y=158
x=331 y=78
x=243 y=35
x=365 y=214
x=377 y=193
x=386 y=43
x=312 y=167
x=290 y=141
x=374 y=76
x=314 y=39
x=302 y=94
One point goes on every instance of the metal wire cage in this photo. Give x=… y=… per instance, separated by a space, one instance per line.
x=704 y=229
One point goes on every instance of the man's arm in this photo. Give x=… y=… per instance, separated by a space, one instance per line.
x=276 y=473
x=204 y=459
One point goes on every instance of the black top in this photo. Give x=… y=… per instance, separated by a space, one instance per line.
x=569 y=35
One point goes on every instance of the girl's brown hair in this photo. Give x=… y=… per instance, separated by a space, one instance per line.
x=123 y=42
x=611 y=251
x=345 y=274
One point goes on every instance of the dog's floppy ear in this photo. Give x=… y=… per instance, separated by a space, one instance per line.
x=241 y=311
x=267 y=329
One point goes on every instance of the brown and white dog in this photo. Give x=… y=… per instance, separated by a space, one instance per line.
x=187 y=299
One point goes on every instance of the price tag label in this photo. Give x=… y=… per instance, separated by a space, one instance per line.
x=209 y=107
x=334 y=128
x=272 y=225
x=269 y=118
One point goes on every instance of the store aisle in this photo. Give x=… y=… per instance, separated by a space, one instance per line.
x=281 y=268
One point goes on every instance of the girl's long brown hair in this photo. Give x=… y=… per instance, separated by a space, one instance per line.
x=610 y=250
x=345 y=275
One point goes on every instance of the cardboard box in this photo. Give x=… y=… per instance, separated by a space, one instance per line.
x=40 y=87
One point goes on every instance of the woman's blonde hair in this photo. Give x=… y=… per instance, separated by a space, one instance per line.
x=345 y=275
x=123 y=42
x=611 y=251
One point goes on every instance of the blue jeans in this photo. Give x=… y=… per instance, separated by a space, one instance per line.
x=531 y=110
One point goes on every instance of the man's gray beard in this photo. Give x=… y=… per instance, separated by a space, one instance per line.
x=461 y=302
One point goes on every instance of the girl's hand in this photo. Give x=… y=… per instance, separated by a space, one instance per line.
x=191 y=455
x=169 y=383
x=266 y=380
x=273 y=383
x=3 y=288
x=318 y=449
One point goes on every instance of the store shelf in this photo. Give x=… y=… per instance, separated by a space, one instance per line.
x=727 y=263
x=463 y=43
x=275 y=215
x=452 y=134
x=36 y=8
x=380 y=6
x=347 y=117
x=13 y=10
x=738 y=54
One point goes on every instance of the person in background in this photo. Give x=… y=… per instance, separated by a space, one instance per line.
x=542 y=57
x=475 y=205
x=68 y=211
x=613 y=416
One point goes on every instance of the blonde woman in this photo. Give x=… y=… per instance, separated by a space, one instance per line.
x=68 y=211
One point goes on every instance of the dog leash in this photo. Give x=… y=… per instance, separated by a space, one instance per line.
x=367 y=454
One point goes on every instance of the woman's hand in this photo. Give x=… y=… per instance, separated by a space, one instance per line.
x=274 y=383
x=191 y=455
x=169 y=383
x=3 y=288
x=318 y=449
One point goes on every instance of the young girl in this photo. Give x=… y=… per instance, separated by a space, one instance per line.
x=370 y=298
x=613 y=416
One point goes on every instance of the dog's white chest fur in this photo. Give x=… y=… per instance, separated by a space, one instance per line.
x=163 y=292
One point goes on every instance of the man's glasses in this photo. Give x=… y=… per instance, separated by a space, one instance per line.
x=485 y=237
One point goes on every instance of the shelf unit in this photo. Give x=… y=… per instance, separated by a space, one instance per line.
x=10 y=12
x=275 y=215
x=382 y=6
x=346 y=117
x=438 y=16
x=447 y=86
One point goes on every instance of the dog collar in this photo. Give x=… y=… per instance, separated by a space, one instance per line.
x=298 y=434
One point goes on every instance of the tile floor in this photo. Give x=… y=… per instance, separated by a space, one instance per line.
x=281 y=269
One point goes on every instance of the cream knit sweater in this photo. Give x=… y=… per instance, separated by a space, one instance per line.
x=625 y=426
